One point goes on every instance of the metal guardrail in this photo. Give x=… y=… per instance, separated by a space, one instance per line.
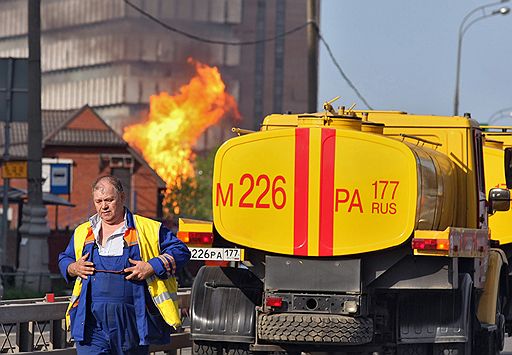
x=32 y=326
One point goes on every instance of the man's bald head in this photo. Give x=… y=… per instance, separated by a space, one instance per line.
x=108 y=198
x=110 y=179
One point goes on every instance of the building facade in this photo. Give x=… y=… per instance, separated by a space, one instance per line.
x=105 y=54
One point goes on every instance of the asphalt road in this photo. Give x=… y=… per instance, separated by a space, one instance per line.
x=508 y=347
x=506 y=351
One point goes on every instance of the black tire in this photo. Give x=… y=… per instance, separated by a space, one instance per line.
x=238 y=350
x=494 y=341
x=315 y=329
x=242 y=349
x=500 y=333
x=206 y=348
x=414 y=349
x=500 y=324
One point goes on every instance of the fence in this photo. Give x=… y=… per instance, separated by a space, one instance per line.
x=32 y=326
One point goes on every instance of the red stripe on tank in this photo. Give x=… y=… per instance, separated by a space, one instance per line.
x=300 y=226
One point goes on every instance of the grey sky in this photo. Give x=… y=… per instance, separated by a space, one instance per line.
x=401 y=55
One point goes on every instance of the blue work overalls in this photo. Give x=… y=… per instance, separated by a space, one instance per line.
x=111 y=326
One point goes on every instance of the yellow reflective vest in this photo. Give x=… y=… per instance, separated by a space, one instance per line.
x=163 y=292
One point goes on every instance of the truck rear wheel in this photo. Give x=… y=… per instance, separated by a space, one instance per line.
x=500 y=324
x=315 y=328
x=238 y=349
x=413 y=349
x=206 y=348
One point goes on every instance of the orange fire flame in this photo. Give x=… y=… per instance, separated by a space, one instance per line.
x=175 y=122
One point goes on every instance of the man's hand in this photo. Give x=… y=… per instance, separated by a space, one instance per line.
x=141 y=271
x=81 y=267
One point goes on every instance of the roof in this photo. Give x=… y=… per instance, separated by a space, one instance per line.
x=55 y=132
x=82 y=137
x=15 y=195
x=60 y=128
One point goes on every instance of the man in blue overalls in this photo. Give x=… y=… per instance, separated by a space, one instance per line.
x=124 y=265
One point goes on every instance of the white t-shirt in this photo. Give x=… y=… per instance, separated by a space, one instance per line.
x=115 y=242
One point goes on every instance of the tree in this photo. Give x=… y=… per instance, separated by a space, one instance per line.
x=191 y=197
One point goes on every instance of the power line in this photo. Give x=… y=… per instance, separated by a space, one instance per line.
x=338 y=66
x=212 y=41
x=246 y=43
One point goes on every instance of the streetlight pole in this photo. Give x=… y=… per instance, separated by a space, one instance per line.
x=464 y=26
x=312 y=39
x=500 y=114
x=34 y=228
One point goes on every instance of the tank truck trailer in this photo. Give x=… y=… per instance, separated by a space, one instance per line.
x=352 y=235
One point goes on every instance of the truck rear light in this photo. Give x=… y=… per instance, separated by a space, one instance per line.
x=430 y=244
x=350 y=307
x=196 y=237
x=453 y=242
x=274 y=302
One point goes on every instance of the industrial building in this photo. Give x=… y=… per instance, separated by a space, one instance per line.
x=104 y=54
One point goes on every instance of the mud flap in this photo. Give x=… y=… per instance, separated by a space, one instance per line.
x=223 y=302
x=436 y=317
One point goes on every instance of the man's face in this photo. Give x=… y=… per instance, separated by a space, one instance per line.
x=108 y=203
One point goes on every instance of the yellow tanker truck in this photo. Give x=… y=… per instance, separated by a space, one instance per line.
x=349 y=240
x=497 y=140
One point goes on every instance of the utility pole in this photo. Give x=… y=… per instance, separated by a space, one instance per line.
x=5 y=199
x=34 y=229
x=312 y=36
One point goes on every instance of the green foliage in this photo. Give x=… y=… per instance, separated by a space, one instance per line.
x=192 y=197
x=57 y=286
x=16 y=293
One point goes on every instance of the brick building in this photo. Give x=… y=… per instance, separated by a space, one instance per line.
x=81 y=142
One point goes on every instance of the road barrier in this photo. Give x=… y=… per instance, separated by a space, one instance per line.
x=32 y=326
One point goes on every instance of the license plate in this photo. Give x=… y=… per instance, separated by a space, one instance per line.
x=219 y=254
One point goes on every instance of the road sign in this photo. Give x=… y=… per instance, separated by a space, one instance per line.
x=14 y=89
x=14 y=170
x=60 y=178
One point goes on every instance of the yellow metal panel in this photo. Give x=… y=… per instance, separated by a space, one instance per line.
x=279 y=121
x=253 y=196
x=456 y=144
x=258 y=176
x=194 y=225
x=500 y=223
x=410 y=120
x=499 y=133
x=377 y=209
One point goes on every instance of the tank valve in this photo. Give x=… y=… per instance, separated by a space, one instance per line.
x=241 y=131
x=349 y=111
x=328 y=106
